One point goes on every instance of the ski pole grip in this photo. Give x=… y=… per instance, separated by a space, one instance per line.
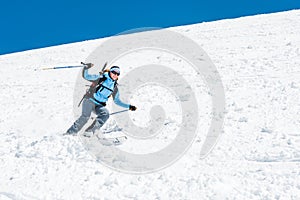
x=87 y=65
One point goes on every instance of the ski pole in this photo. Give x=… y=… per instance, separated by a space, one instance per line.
x=48 y=68
x=112 y=113
x=64 y=67
x=118 y=112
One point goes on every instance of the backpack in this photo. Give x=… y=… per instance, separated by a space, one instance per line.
x=96 y=85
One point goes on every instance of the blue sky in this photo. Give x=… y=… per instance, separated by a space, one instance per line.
x=31 y=24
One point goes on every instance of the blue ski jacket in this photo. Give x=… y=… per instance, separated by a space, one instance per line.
x=107 y=88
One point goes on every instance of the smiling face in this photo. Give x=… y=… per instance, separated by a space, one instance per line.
x=114 y=75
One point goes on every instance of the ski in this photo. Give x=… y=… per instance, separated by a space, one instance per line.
x=108 y=141
x=70 y=134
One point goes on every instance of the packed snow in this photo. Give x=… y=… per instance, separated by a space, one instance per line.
x=256 y=157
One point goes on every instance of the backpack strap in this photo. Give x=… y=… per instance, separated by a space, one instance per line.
x=113 y=94
x=99 y=83
x=114 y=91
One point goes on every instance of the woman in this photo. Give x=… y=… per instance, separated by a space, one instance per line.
x=107 y=87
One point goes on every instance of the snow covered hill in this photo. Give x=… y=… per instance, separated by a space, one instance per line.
x=256 y=157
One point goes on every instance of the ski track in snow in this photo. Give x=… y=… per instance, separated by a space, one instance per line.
x=257 y=156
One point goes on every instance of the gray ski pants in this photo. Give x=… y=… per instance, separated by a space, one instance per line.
x=87 y=108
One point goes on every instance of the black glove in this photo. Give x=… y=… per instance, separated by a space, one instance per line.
x=132 y=108
x=88 y=65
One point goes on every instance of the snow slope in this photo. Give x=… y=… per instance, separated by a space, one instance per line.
x=257 y=156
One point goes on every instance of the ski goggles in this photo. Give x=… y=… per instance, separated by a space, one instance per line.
x=115 y=70
x=115 y=73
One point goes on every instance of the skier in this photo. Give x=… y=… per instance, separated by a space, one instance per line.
x=107 y=86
